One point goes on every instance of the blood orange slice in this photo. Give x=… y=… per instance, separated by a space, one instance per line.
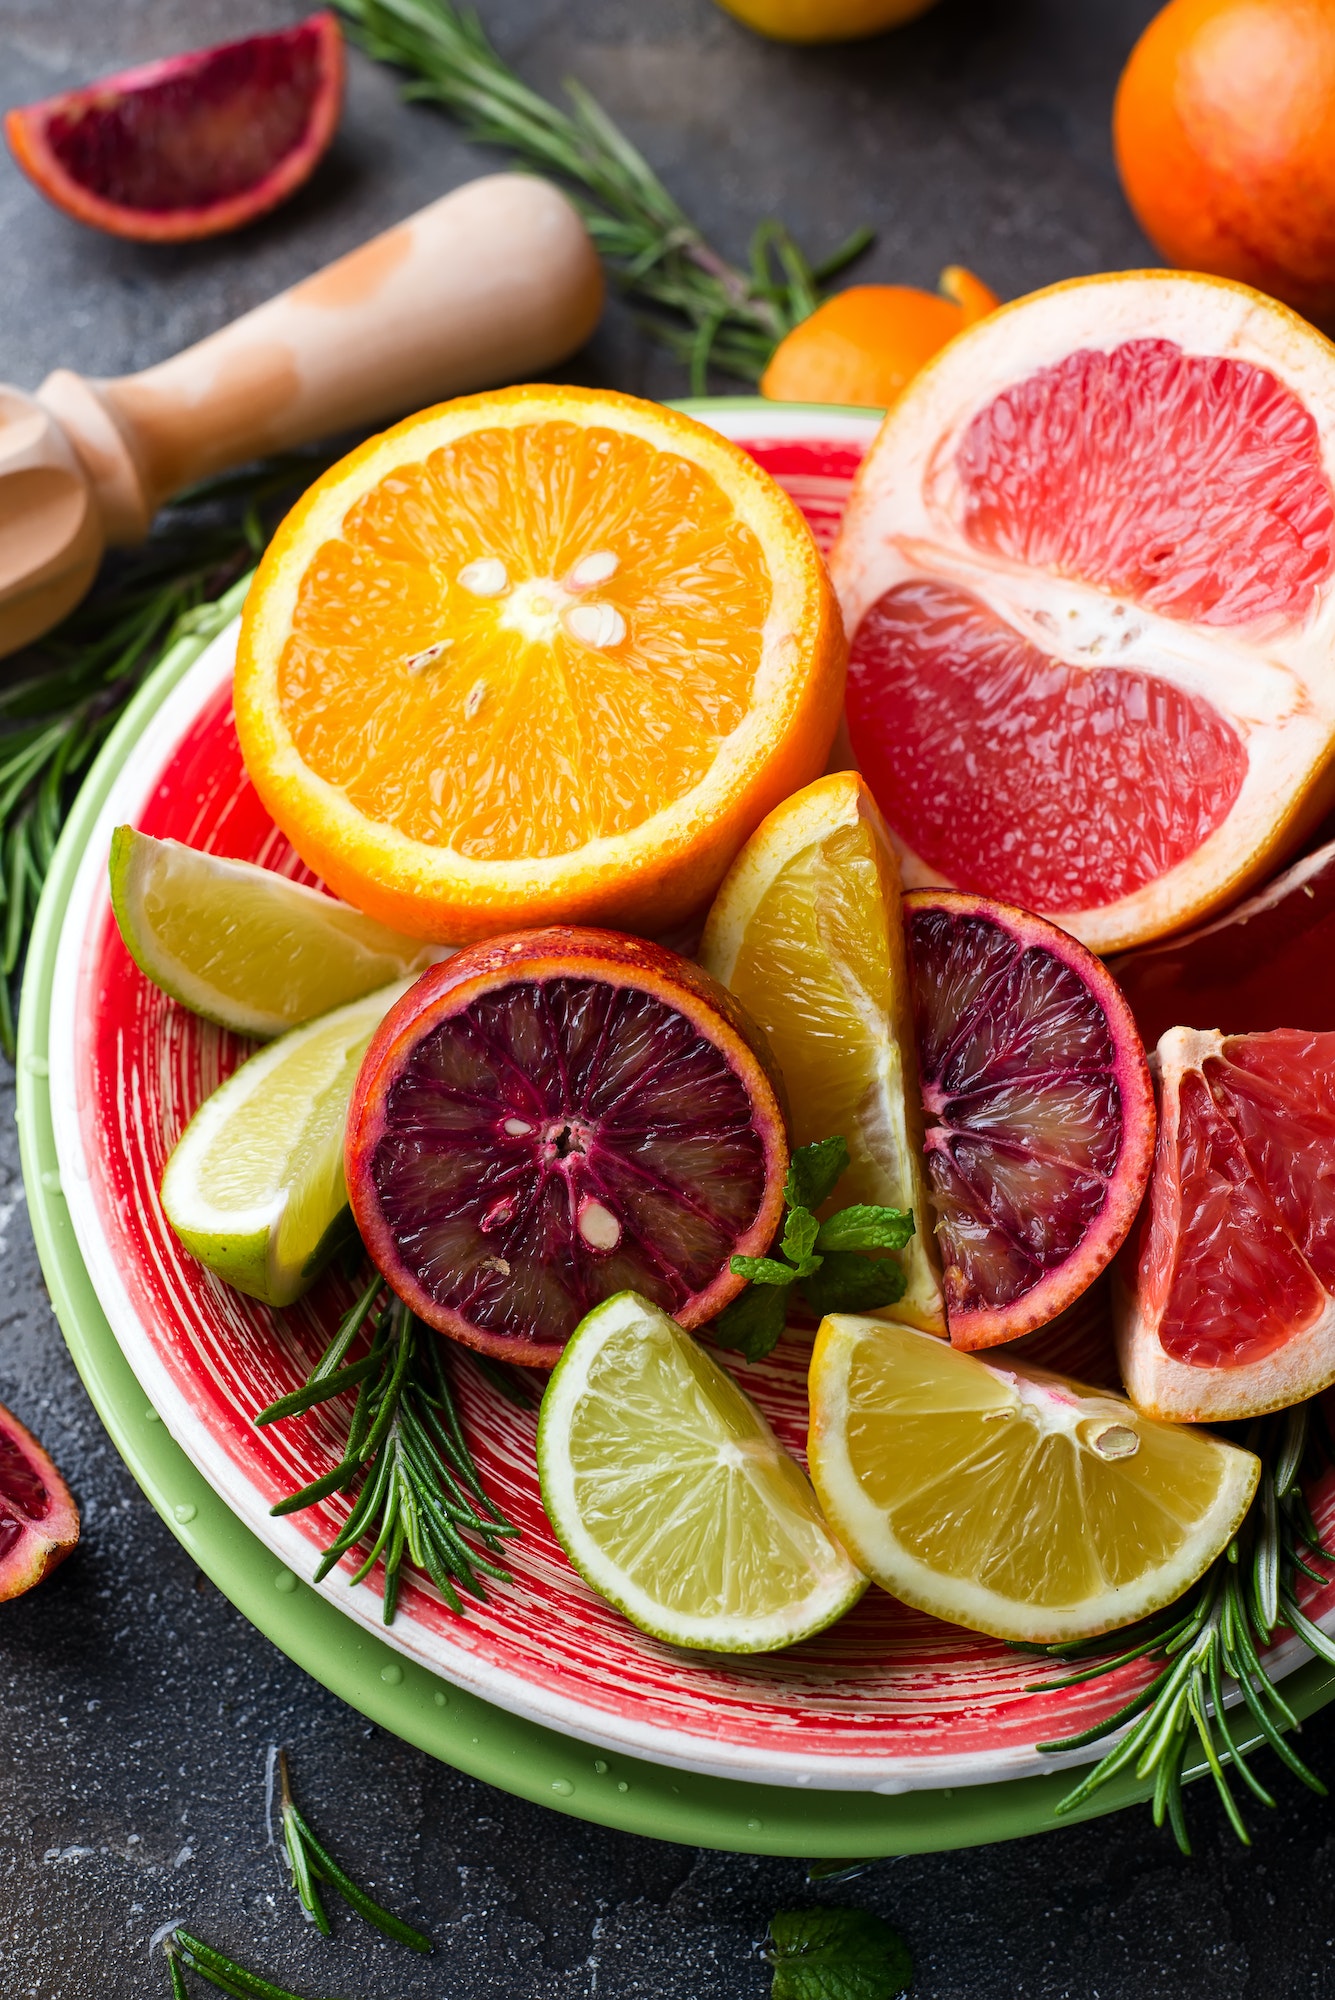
x=1228 y=1308
x=39 y=1522
x=1039 y=1109
x=556 y=1116
x=1089 y=569
x=194 y=144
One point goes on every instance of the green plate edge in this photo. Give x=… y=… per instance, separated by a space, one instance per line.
x=396 y=1693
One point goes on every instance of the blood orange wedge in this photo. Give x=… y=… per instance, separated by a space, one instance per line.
x=807 y=931
x=556 y=1116
x=1227 y=1308
x=194 y=144
x=1088 y=569
x=1270 y=963
x=545 y=653
x=39 y=1522
x=1039 y=1108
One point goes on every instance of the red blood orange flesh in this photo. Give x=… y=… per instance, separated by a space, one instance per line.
x=39 y=1522
x=555 y=1116
x=1270 y=963
x=194 y=144
x=1088 y=567
x=1039 y=1111
x=1227 y=1308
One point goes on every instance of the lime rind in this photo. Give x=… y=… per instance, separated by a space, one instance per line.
x=672 y=1497
x=242 y=945
x=254 y=1188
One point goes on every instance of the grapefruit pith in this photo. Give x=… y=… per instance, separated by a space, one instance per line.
x=1088 y=568
x=1227 y=1308
x=1038 y=1107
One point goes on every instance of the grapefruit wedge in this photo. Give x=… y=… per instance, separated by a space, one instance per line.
x=1088 y=568
x=1227 y=1309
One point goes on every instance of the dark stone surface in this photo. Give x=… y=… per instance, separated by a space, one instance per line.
x=137 y=1705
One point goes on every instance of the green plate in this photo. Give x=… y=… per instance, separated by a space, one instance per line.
x=517 y=1755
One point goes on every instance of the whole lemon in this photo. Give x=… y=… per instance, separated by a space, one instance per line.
x=1224 y=129
x=823 y=20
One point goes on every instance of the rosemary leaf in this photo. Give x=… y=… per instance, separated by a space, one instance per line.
x=703 y=308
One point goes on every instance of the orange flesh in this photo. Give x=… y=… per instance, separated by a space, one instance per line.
x=479 y=720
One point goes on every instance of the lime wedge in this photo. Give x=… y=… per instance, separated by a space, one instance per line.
x=672 y=1496
x=255 y=1186
x=241 y=945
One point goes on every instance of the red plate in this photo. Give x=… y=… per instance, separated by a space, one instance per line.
x=885 y=1701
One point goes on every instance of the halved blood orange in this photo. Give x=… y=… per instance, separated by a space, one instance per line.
x=1269 y=963
x=1038 y=1107
x=1227 y=1308
x=552 y=1117
x=1089 y=572
x=39 y=1522
x=548 y=653
x=194 y=144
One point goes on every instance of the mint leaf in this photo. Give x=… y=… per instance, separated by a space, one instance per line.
x=799 y=1240
x=863 y=1227
x=762 y=1270
x=813 y=1171
x=834 y=1954
x=753 y=1322
x=848 y=1282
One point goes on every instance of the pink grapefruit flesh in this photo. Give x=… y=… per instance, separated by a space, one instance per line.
x=1227 y=1307
x=1270 y=963
x=194 y=144
x=555 y=1116
x=1038 y=1107
x=39 y=1522
x=1084 y=567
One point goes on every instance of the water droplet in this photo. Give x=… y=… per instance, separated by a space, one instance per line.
x=51 y=1180
x=487 y=577
x=622 y=1786
x=562 y=1786
x=440 y=1698
x=598 y=625
x=185 y=1512
x=754 y=1825
x=594 y=568
x=600 y=1767
x=285 y=1581
x=392 y=1674
x=152 y=1417
x=36 y=1065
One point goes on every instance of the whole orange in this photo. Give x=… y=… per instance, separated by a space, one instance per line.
x=863 y=345
x=1224 y=129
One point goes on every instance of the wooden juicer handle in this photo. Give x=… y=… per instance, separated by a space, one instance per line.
x=494 y=282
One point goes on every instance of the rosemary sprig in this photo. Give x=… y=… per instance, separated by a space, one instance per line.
x=69 y=691
x=418 y=1490
x=706 y=310
x=310 y=1863
x=185 y=1952
x=1214 y=1646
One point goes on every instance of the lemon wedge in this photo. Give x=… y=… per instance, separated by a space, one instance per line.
x=806 y=930
x=254 y=1187
x=672 y=1496
x=1002 y=1497
x=242 y=945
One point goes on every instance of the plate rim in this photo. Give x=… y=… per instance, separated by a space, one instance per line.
x=402 y=1694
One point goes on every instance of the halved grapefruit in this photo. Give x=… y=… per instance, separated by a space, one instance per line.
x=1089 y=570
x=1227 y=1308
x=191 y=145
x=39 y=1522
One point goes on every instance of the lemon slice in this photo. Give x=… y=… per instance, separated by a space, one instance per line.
x=255 y=1186
x=1005 y=1498
x=673 y=1498
x=241 y=945
x=807 y=932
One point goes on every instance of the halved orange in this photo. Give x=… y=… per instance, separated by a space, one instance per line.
x=542 y=654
